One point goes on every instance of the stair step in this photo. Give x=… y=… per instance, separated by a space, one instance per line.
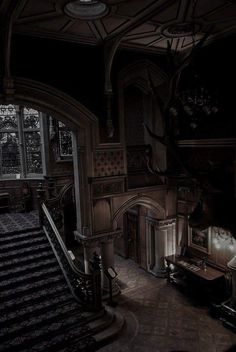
x=18 y=237
x=35 y=322
x=38 y=312
x=30 y=287
x=15 y=282
x=23 y=243
x=24 y=251
x=29 y=267
x=51 y=330
x=75 y=339
x=48 y=303
x=30 y=258
x=59 y=288
x=102 y=322
x=111 y=331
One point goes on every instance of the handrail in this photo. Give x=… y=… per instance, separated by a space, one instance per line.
x=58 y=198
x=85 y=287
x=55 y=205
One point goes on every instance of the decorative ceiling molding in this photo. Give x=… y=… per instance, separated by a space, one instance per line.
x=142 y=24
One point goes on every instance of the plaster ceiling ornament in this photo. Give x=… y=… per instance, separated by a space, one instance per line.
x=181 y=29
x=86 y=9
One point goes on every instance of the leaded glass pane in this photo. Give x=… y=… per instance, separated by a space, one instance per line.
x=33 y=152
x=9 y=152
x=65 y=140
x=8 y=117
x=65 y=143
x=20 y=141
x=61 y=125
x=31 y=118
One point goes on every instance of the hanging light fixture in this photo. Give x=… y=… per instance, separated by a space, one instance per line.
x=223 y=238
x=86 y=9
x=198 y=100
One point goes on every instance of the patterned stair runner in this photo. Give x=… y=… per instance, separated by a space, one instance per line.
x=37 y=310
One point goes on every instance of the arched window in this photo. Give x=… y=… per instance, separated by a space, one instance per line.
x=21 y=142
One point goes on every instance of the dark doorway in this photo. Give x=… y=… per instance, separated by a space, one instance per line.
x=132 y=234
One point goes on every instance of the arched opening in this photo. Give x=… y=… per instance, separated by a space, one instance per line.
x=66 y=131
x=146 y=236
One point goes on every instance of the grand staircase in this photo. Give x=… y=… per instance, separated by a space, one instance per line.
x=38 y=310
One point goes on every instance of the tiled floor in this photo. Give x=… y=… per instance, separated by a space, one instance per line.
x=159 y=318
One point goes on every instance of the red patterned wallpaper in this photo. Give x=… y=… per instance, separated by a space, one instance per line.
x=108 y=162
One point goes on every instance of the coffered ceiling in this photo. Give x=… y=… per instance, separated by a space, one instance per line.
x=141 y=24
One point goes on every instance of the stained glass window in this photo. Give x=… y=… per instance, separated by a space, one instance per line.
x=20 y=141
x=65 y=140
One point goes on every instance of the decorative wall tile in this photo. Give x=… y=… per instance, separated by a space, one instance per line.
x=108 y=162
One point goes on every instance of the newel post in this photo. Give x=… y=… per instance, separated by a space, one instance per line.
x=95 y=269
x=40 y=199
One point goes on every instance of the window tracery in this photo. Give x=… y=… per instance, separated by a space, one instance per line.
x=20 y=142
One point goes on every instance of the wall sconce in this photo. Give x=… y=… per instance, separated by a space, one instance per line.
x=221 y=236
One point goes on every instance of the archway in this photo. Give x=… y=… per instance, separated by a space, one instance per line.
x=80 y=120
x=147 y=236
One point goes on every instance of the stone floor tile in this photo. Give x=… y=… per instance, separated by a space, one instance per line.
x=163 y=318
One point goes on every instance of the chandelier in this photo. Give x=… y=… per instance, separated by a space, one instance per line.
x=198 y=100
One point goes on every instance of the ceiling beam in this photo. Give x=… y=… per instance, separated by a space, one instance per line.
x=141 y=18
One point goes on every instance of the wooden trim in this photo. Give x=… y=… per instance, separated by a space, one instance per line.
x=201 y=143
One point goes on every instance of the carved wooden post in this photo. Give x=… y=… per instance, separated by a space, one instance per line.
x=40 y=199
x=95 y=269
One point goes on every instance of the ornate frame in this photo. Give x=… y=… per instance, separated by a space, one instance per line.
x=200 y=239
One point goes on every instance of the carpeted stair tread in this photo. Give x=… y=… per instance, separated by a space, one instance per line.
x=30 y=287
x=58 y=336
x=59 y=288
x=33 y=266
x=44 y=255
x=18 y=237
x=38 y=312
x=37 y=330
x=9 y=317
x=83 y=345
x=25 y=242
x=42 y=321
x=71 y=340
x=28 y=278
x=74 y=339
x=11 y=223
x=24 y=251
